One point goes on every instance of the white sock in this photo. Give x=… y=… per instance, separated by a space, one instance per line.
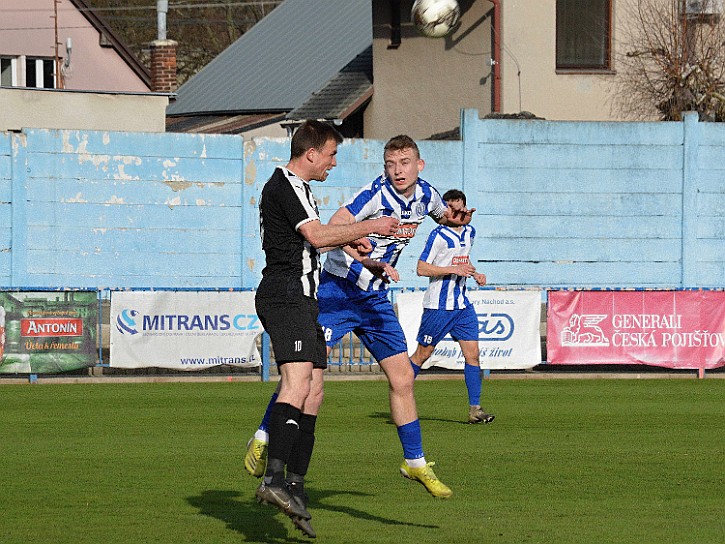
x=262 y=435
x=416 y=463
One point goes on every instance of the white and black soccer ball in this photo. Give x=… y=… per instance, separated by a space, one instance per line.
x=435 y=18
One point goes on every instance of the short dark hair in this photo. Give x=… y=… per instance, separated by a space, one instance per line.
x=454 y=194
x=401 y=142
x=312 y=134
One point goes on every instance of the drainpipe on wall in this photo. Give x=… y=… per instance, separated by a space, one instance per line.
x=496 y=60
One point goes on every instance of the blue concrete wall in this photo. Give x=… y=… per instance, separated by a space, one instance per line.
x=558 y=204
x=6 y=211
x=99 y=209
x=588 y=204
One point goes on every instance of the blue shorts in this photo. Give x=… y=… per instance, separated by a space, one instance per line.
x=435 y=324
x=344 y=307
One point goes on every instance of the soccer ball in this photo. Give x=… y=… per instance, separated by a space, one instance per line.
x=435 y=18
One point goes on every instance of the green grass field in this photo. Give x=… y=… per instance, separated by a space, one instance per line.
x=566 y=461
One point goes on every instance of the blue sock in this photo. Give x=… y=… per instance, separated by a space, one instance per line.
x=416 y=369
x=264 y=426
x=472 y=376
x=411 y=440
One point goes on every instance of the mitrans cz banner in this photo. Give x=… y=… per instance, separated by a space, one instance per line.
x=675 y=329
x=184 y=330
x=508 y=329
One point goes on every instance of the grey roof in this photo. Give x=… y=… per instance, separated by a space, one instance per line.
x=282 y=60
x=343 y=94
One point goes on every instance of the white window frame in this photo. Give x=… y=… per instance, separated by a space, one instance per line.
x=13 y=70
x=19 y=76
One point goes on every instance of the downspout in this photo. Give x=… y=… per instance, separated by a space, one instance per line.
x=496 y=60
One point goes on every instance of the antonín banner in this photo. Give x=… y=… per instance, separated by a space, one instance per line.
x=45 y=332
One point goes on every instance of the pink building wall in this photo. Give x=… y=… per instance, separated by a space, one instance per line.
x=27 y=28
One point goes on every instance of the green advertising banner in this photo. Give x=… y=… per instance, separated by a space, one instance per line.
x=44 y=332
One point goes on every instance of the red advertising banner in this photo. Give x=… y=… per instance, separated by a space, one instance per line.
x=59 y=326
x=675 y=329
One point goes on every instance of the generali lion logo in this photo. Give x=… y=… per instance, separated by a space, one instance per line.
x=583 y=330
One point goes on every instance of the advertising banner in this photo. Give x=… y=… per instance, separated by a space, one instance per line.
x=675 y=329
x=45 y=332
x=508 y=324
x=183 y=330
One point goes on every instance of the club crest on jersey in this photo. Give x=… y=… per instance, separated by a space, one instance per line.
x=460 y=259
x=420 y=209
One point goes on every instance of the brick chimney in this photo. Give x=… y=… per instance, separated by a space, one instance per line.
x=163 y=66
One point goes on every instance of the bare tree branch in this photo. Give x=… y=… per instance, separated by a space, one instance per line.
x=670 y=62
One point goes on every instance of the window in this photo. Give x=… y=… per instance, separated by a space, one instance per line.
x=38 y=72
x=583 y=34
x=7 y=72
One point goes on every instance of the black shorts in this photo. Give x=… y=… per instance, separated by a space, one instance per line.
x=291 y=323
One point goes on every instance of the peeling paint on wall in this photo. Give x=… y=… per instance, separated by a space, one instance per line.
x=122 y=175
x=177 y=185
x=78 y=198
x=82 y=151
x=171 y=202
x=19 y=140
x=251 y=263
x=250 y=146
x=250 y=173
x=128 y=159
x=115 y=200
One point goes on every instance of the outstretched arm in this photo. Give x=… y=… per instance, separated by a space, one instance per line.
x=340 y=231
x=456 y=218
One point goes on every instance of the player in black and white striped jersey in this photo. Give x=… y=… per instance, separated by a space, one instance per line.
x=292 y=239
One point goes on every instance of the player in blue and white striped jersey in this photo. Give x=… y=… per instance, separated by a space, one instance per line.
x=378 y=199
x=353 y=295
x=446 y=309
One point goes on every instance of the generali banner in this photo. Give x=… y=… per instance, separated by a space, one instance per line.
x=675 y=329
x=508 y=329
x=184 y=330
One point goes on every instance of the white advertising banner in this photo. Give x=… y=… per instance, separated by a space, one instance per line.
x=508 y=329
x=184 y=330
